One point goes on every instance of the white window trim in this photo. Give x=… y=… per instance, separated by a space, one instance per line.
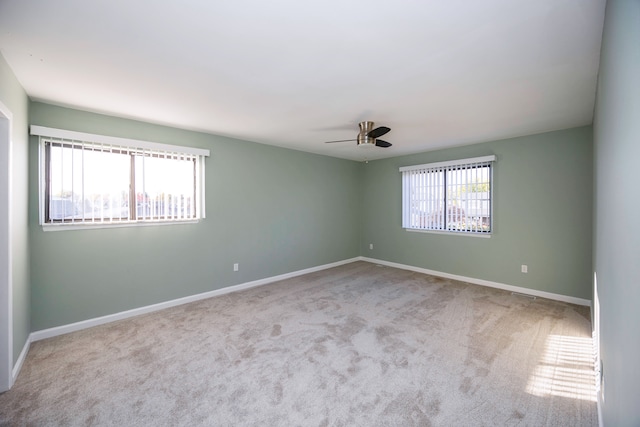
x=42 y=131
x=113 y=140
x=120 y=224
x=452 y=233
x=449 y=163
x=444 y=164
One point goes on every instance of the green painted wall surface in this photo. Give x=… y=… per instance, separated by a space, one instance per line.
x=14 y=97
x=617 y=236
x=542 y=215
x=271 y=210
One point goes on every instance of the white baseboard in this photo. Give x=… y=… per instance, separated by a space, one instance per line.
x=23 y=355
x=511 y=288
x=65 y=329
x=599 y=405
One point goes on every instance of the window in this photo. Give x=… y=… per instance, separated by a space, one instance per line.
x=97 y=180
x=450 y=196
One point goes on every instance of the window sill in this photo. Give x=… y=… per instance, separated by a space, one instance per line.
x=94 y=226
x=451 y=233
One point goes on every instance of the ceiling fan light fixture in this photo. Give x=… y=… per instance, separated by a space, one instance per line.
x=363 y=140
x=366 y=143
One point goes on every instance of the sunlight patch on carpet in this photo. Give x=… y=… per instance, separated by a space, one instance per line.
x=566 y=369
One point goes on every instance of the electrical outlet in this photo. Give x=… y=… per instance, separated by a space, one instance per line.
x=235 y=267
x=371 y=246
x=524 y=268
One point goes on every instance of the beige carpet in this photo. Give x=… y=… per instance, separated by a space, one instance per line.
x=356 y=345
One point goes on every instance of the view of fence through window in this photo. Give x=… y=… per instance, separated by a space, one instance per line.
x=449 y=198
x=95 y=183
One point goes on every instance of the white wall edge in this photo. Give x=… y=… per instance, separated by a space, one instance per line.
x=6 y=255
x=89 y=323
x=23 y=355
x=511 y=288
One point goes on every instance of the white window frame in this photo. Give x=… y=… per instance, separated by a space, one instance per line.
x=409 y=175
x=45 y=134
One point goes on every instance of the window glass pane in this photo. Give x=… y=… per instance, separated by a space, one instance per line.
x=427 y=200
x=165 y=187
x=87 y=184
x=469 y=199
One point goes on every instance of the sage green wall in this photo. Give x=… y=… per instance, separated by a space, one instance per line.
x=271 y=210
x=14 y=97
x=542 y=215
x=617 y=208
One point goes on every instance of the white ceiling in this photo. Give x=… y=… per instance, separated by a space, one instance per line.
x=296 y=73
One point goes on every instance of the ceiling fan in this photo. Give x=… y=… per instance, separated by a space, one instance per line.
x=368 y=136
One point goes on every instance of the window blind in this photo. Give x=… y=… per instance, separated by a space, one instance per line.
x=453 y=196
x=106 y=180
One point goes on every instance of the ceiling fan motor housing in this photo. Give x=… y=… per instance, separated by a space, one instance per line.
x=363 y=137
